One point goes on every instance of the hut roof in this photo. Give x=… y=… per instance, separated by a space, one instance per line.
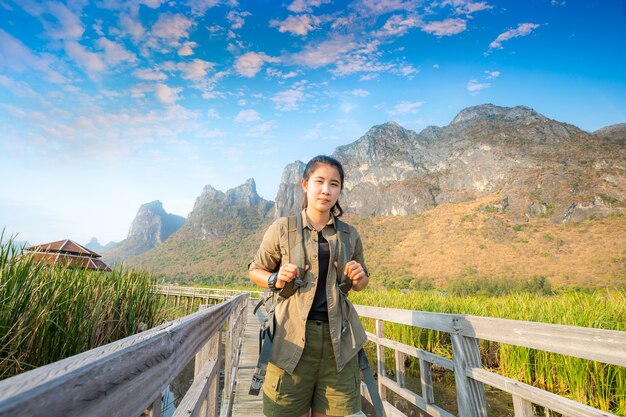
x=69 y=253
x=64 y=246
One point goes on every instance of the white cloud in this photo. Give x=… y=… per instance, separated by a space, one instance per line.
x=247 y=116
x=408 y=71
x=187 y=49
x=271 y=72
x=115 y=53
x=296 y=25
x=523 y=29
x=17 y=88
x=149 y=75
x=237 y=19
x=324 y=53
x=492 y=74
x=299 y=6
x=249 y=64
x=380 y=7
x=348 y=107
x=131 y=26
x=359 y=92
x=16 y=56
x=436 y=66
x=474 y=86
x=199 y=7
x=446 y=27
x=360 y=63
x=167 y=95
x=467 y=7
x=398 y=25
x=171 y=28
x=69 y=25
x=213 y=114
x=91 y=62
x=261 y=129
x=368 y=77
x=191 y=70
x=288 y=100
x=405 y=107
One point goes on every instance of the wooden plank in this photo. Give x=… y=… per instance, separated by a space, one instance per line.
x=470 y=394
x=400 y=367
x=245 y=405
x=380 y=358
x=522 y=408
x=436 y=321
x=538 y=396
x=118 y=379
x=413 y=351
x=191 y=403
x=426 y=381
x=414 y=398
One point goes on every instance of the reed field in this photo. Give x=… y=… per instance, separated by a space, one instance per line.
x=48 y=313
x=593 y=383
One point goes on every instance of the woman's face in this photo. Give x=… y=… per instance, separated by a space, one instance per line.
x=322 y=188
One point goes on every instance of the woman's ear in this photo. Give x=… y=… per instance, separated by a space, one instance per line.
x=304 y=184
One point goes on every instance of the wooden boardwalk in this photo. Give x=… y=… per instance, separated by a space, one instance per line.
x=246 y=405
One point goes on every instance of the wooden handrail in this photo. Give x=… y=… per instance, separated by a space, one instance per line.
x=126 y=377
x=607 y=346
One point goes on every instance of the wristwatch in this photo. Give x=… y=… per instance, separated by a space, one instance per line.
x=271 y=282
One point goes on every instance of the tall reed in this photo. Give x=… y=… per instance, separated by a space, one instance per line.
x=48 y=313
x=596 y=384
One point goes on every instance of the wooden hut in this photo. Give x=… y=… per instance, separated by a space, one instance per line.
x=69 y=253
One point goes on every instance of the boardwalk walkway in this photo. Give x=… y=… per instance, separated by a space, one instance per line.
x=246 y=405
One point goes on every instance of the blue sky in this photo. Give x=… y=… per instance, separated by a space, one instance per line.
x=105 y=105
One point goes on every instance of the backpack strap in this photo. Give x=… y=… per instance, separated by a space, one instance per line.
x=294 y=238
x=370 y=382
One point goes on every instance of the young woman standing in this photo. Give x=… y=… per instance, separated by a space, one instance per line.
x=317 y=333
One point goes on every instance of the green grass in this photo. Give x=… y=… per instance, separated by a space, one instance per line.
x=593 y=383
x=48 y=313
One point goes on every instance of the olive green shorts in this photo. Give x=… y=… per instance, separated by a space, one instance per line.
x=315 y=383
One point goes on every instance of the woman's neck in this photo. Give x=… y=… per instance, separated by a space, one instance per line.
x=318 y=219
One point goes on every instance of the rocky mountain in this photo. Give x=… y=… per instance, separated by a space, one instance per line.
x=95 y=246
x=150 y=228
x=540 y=166
x=527 y=167
x=221 y=232
x=289 y=196
x=614 y=133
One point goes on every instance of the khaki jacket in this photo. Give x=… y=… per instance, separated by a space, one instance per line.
x=346 y=331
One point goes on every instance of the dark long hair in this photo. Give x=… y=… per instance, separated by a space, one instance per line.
x=308 y=170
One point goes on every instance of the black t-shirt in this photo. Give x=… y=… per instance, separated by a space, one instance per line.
x=319 y=308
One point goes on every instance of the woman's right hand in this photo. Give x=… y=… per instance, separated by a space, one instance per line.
x=287 y=273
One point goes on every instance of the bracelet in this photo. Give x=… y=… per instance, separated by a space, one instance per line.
x=271 y=282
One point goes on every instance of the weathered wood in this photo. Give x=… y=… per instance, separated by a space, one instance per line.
x=607 y=346
x=413 y=351
x=426 y=381
x=380 y=358
x=413 y=398
x=400 y=368
x=118 y=379
x=538 y=396
x=522 y=407
x=470 y=394
x=192 y=403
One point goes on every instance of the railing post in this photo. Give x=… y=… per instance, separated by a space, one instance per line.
x=522 y=408
x=211 y=351
x=228 y=354
x=400 y=356
x=380 y=359
x=426 y=379
x=470 y=394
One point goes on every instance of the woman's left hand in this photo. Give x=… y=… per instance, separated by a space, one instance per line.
x=354 y=272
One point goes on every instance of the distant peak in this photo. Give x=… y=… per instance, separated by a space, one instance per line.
x=491 y=112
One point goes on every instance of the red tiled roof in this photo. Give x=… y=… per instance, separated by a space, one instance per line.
x=64 y=246
x=69 y=253
x=71 y=260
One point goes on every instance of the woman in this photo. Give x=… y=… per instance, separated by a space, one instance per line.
x=317 y=333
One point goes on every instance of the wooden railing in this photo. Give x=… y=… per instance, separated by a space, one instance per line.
x=204 y=293
x=126 y=378
x=593 y=344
